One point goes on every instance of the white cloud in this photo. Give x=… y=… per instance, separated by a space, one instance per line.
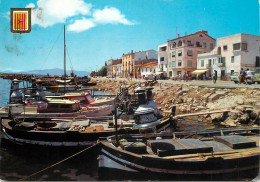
x=110 y=15
x=81 y=25
x=31 y=5
x=50 y=12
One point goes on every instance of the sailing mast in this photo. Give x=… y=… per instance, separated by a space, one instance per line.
x=64 y=61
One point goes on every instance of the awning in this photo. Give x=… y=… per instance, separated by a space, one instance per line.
x=199 y=71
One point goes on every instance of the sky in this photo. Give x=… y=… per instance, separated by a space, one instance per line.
x=98 y=30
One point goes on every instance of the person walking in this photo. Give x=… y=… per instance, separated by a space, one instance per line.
x=215 y=76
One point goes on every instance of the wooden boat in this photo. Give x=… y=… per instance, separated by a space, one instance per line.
x=67 y=132
x=162 y=157
x=36 y=105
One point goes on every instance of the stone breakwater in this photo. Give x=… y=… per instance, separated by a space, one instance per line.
x=244 y=103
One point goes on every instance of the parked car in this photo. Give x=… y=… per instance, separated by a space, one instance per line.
x=251 y=77
x=234 y=77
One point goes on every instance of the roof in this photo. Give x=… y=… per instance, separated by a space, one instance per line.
x=144 y=61
x=198 y=32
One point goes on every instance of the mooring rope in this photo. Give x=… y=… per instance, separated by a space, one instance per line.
x=22 y=179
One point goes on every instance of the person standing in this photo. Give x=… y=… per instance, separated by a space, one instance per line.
x=242 y=76
x=215 y=76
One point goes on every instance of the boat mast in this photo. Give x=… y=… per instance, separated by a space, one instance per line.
x=64 y=61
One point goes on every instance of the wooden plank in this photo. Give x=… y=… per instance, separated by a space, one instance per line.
x=197 y=113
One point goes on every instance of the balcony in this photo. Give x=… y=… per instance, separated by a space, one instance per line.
x=221 y=64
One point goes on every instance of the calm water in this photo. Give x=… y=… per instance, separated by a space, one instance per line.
x=17 y=162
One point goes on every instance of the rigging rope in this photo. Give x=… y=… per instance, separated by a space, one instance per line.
x=50 y=50
x=71 y=67
x=22 y=179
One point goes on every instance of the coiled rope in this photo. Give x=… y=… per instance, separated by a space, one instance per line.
x=22 y=179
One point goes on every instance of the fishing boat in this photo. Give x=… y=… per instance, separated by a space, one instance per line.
x=77 y=132
x=37 y=105
x=230 y=157
x=152 y=155
x=81 y=131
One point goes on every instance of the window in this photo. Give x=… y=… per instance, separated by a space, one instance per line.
x=209 y=62
x=211 y=45
x=179 y=53
x=202 y=63
x=180 y=43
x=225 y=48
x=189 y=63
x=232 y=59
x=142 y=70
x=257 y=61
x=161 y=58
x=204 y=44
x=174 y=45
x=173 y=54
x=179 y=63
x=173 y=64
x=198 y=44
x=163 y=48
x=189 y=43
x=146 y=69
x=151 y=70
x=244 y=47
x=189 y=53
x=223 y=61
x=236 y=46
x=232 y=71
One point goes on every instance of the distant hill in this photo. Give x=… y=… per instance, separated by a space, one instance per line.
x=55 y=71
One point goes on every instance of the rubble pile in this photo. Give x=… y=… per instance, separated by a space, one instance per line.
x=243 y=103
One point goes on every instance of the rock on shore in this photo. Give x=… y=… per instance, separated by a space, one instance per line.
x=244 y=103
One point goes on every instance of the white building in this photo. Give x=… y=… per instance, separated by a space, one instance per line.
x=162 y=59
x=231 y=54
x=149 y=54
x=119 y=70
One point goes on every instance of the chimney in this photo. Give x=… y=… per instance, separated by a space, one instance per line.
x=178 y=36
x=185 y=33
x=132 y=51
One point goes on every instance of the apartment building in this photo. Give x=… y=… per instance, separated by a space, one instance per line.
x=183 y=51
x=162 y=59
x=129 y=59
x=231 y=54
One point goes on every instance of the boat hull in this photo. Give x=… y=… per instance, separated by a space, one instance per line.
x=115 y=161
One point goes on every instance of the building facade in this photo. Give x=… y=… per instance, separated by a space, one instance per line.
x=129 y=60
x=162 y=59
x=127 y=64
x=115 y=67
x=183 y=51
x=149 y=68
x=109 y=67
x=231 y=54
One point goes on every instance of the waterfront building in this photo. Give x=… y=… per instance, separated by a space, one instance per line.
x=162 y=59
x=183 y=51
x=114 y=66
x=127 y=64
x=149 y=68
x=231 y=54
x=141 y=65
x=129 y=59
x=119 y=70
x=109 y=67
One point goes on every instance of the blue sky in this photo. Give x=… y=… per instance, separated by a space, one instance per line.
x=97 y=30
